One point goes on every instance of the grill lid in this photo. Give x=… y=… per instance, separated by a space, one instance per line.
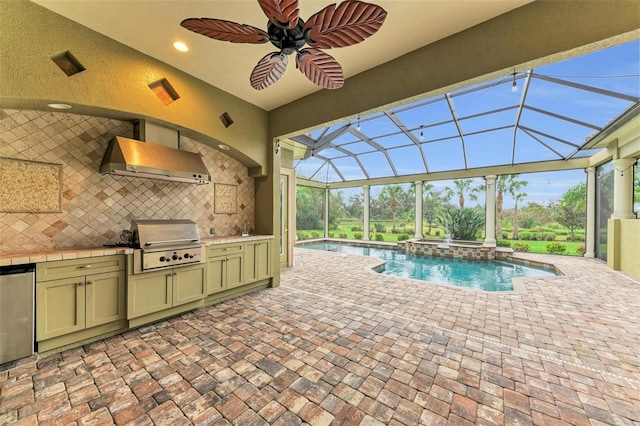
x=164 y=233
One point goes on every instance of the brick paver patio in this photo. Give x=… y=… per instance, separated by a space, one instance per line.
x=339 y=344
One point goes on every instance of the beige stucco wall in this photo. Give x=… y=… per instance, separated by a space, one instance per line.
x=630 y=247
x=115 y=83
x=623 y=246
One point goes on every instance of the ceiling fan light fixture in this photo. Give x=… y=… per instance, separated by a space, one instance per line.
x=337 y=25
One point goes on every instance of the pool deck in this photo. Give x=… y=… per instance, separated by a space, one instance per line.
x=339 y=344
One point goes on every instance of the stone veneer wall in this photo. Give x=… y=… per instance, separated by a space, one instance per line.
x=95 y=208
x=457 y=251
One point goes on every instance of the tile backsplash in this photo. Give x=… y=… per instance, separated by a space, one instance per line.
x=95 y=207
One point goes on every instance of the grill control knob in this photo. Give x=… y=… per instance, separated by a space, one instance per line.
x=162 y=258
x=188 y=256
x=174 y=257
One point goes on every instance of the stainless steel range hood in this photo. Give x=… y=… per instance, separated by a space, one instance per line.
x=129 y=157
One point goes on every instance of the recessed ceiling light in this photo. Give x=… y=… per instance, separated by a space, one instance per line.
x=59 y=106
x=180 y=46
x=223 y=147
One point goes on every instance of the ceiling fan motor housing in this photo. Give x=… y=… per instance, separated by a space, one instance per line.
x=288 y=41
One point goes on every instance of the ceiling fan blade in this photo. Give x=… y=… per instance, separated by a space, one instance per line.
x=269 y=70
x=226 y=30
x=347 y=24
x=281 y=13
x=321 y=68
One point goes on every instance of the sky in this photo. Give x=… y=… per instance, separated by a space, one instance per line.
x=615 y=69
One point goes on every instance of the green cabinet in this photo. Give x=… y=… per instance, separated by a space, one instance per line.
x=74 y=295
x=152 y=292
x=257 y=255
x=225 y=267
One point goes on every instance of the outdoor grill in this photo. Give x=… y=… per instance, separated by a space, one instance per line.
x=162 y=244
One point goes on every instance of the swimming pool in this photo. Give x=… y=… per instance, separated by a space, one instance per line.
x=475 y=274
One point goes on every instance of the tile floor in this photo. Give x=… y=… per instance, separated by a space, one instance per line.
x=339 y=344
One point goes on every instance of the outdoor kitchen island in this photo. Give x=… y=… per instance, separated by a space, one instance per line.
x=84 y=294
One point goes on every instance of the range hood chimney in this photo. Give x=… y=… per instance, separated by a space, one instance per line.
x=130 y=157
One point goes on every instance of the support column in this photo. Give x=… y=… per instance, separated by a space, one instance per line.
x=326 y=212
x=590 y=229
x=418 y=221
x=490 y=211
x=366 y=226
x=623 y=188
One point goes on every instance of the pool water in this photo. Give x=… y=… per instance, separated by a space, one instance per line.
x=476 y=274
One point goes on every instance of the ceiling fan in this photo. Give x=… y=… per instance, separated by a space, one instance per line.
x=337 y=25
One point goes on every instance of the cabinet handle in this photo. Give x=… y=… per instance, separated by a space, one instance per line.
x=83 y=266
x=174 y=274
x=80 y=284
x=89 y=282
x=226 y=249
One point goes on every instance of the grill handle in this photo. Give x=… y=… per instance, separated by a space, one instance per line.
x=175 y=242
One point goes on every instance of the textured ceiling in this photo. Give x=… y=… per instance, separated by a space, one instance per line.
x=152 y=26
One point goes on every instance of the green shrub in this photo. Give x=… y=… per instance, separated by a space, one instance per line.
x=556 y=248
x=379 y=237
x=522 y=247
x=357 y=235
x=315 y=234
x=403 y=237
x=562 y=232
x=332 y=234
x=356 y=229
x=549 y=236
x=437 y=233
x=579 y=236
x=379 y=227
x=409 y=231
x=461 y=224
x=342 y=235
x=525 y=235
x=580 y=250
x=554 y=226
x=503 y=243
x=302 y=235
x=396 y=231
x=507 y=230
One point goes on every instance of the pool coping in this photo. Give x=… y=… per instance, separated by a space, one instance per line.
x=519 y=283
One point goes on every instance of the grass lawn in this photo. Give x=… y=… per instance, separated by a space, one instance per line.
x=541 y=246
x=345 y=229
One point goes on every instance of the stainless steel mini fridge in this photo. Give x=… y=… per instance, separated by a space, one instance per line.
x=16 y=312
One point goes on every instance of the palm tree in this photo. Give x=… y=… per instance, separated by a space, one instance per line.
x=501 y=187
x=432 y=200
x=514 y=186
x=463 y=186
x=518 y=197
x=392 y=194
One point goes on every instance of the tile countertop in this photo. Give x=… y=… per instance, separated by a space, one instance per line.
x=234 y=239
x=25 y=257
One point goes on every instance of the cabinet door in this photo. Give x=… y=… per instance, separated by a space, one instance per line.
x=188 y=284
x=216 y=270
x=105 y=296
x=234 y=270
x=263 y=260
x=250 y=271
x=149 y=293
x=60 y=307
